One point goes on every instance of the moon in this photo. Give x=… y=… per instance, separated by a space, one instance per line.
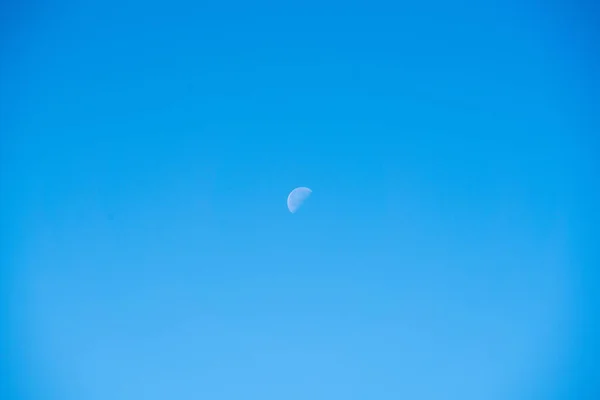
x=297 y=197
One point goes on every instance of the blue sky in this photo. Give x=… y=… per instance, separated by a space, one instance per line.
x=446 y=251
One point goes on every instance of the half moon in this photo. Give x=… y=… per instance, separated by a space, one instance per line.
x=297 y=197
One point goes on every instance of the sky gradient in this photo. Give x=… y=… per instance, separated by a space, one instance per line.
x=447 y=250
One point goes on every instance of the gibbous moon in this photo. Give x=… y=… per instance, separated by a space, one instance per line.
x=297 y=197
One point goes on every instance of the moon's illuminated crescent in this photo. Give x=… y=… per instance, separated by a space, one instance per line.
x=297 y=197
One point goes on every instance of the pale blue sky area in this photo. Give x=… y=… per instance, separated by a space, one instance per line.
x=446 y=251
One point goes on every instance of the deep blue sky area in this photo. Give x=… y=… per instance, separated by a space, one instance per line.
x=448 y=250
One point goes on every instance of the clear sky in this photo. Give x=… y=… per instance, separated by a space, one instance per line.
x=446 y=251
